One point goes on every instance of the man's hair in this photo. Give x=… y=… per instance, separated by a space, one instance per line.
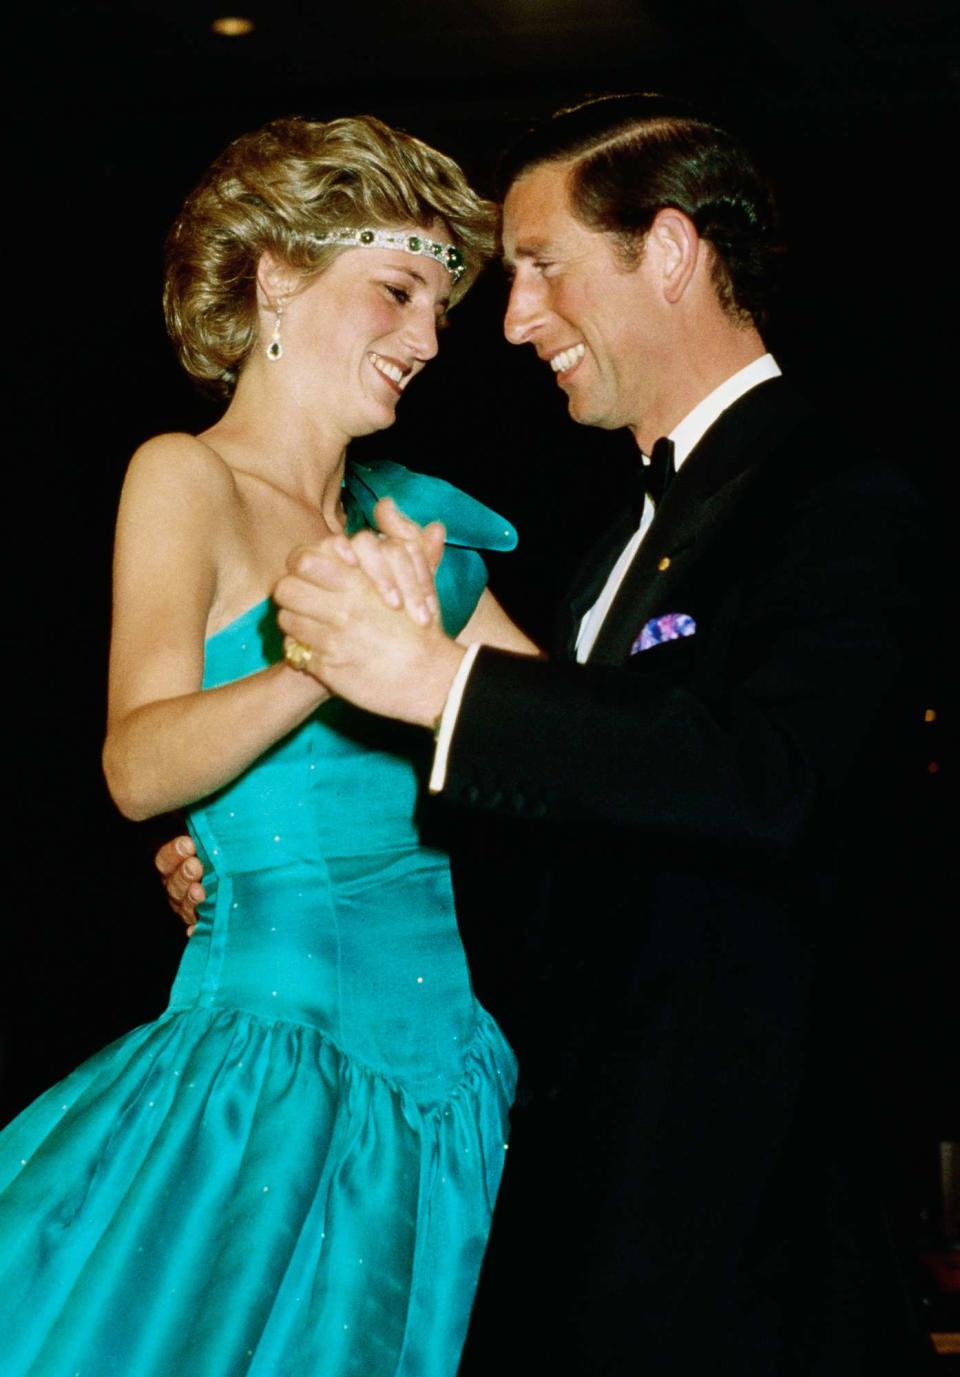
x=634 y=155
x=271 y=191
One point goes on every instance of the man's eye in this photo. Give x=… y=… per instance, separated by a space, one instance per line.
x=398 y=293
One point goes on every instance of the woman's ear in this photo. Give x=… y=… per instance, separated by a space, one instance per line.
x=678 y=242
x=276 y=280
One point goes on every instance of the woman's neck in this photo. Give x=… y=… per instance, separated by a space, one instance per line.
x=262 y=434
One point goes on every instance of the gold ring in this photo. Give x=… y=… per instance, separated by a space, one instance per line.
x=298 y=655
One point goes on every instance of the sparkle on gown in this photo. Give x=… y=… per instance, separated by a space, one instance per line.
x=292 y=1171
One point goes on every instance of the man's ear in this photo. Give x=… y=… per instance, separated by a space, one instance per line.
x=275 y=280
x=678 y=244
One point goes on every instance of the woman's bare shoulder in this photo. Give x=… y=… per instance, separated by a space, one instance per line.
x=177 y=463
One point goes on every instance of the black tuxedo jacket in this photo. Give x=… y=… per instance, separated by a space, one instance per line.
x=679 y=1190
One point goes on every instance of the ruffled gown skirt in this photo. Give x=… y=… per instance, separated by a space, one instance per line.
x=230 y=1191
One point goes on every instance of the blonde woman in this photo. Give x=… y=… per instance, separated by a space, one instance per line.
x=292 y=1171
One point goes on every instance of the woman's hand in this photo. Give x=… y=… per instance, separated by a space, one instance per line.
x=400 y=561
x=181 y=871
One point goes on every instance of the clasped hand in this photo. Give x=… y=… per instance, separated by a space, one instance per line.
x=399 y=559
x=367 y=608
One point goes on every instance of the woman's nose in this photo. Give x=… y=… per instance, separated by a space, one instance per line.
x=422 y=335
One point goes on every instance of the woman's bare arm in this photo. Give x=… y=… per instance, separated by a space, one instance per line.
x=167 y=742
x=490 y=625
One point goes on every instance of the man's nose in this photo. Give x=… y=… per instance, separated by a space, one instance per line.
x=524 y=312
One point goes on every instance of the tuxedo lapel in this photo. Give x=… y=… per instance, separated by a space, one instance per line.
x=711 y=488
x=589 y=580
x=679 y=538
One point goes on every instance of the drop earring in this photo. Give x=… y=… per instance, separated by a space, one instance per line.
x=274 y=349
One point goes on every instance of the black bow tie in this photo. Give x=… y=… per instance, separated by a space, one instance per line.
x=658 y=474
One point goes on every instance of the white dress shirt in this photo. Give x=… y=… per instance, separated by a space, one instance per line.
x=685 y=437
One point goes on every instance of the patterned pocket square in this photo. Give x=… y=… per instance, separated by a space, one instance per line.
x=670 y=627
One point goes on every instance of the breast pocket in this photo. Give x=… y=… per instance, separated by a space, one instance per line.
x=663 y=630
x=668 y=643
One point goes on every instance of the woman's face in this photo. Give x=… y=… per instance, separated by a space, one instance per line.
x=356 y=336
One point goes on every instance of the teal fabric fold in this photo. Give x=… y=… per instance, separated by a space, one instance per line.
x=423 y=498
x=470 y=526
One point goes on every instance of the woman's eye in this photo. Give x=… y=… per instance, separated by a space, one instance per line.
x=398 y=293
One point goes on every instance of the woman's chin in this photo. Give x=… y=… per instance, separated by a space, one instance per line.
x=386 y=418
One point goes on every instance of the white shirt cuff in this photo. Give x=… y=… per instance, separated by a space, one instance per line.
x=438 y=774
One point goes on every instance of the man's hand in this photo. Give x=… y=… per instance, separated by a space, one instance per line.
x=181 y=871
x=377 y=657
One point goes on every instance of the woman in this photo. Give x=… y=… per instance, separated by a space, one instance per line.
x=292 y=1171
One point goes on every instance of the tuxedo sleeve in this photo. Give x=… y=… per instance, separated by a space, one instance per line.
x=767 y=718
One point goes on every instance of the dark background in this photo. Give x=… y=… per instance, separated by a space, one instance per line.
x=850 y=106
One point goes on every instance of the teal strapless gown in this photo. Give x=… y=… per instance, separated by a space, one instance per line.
x=291 y=1173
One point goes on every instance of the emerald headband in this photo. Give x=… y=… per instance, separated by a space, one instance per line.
x=447 y=255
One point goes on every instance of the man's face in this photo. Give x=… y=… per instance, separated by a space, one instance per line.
x=598 y=324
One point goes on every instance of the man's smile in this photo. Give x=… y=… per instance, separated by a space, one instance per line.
x=567 y=359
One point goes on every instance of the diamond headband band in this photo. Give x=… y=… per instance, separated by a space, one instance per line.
x=447 y=255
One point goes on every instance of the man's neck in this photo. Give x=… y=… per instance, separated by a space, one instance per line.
x=688 y=434
x=702 y=372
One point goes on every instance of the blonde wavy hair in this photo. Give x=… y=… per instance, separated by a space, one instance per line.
x=269 y=191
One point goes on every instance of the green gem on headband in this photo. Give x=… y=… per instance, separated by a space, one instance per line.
x=447 y=255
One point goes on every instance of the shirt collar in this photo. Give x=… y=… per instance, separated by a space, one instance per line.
x=698 y=421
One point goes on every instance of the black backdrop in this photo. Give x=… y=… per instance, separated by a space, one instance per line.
x=119 y=109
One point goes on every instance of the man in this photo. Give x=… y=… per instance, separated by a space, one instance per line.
x=682 y=1189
